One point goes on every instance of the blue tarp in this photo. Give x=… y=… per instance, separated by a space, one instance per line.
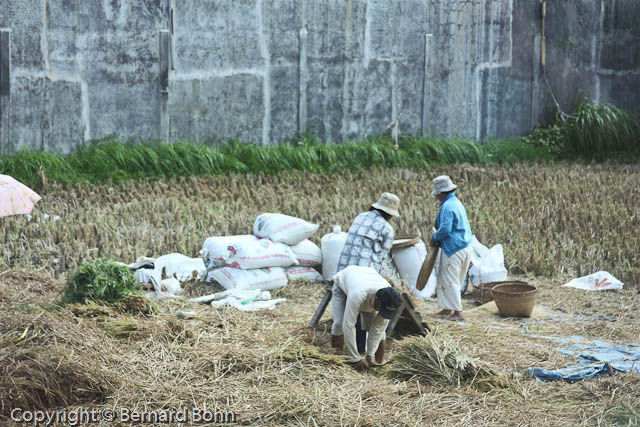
x=594 y=358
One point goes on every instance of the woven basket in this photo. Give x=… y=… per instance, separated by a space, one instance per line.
x=515 y=299
x=405 y=240
x=483 y=294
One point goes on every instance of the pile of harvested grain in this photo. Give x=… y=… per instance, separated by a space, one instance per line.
x=47 y=361
x=436 y=361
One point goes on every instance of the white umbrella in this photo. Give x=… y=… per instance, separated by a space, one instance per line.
x=15 y=197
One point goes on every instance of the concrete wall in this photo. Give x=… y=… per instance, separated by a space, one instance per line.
x=262 y=70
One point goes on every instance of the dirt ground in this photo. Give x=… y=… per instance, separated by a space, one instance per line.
x=271 y=368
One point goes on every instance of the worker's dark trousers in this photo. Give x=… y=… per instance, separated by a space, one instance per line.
x=361 y=336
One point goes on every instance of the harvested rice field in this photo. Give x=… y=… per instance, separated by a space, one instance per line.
x=555 y=222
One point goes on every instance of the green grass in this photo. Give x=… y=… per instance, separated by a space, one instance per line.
x=100 y=281
x=110 y=160
x=596 y=132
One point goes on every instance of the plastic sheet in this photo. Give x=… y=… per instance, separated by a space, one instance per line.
x=594 y=358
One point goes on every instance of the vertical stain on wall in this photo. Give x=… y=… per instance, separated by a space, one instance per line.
x=264 y=52
x=346 y=67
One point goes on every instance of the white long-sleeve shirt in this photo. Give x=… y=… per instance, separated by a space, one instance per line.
x=360 y=285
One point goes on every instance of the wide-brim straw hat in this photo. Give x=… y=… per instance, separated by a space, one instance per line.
x=442 y=184
x=388 y=203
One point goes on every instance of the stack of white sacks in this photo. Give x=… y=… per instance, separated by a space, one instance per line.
x=278 y=250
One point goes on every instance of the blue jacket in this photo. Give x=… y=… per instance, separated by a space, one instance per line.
x=453 y=229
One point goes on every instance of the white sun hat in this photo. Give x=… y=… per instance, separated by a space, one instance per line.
x=388 y=203
x=442 y=184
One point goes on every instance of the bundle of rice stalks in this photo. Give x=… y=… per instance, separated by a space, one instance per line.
x=91 y=309
x=121 y=328
x=303 y=352
x=137 y=305
x=437 y=362
x=50 y=377
x=101 y=281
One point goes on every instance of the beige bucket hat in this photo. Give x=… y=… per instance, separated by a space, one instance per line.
x=441 y=184
x=388 y=203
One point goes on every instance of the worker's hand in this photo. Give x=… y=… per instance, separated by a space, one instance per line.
x=432 y=243
x=361 y=365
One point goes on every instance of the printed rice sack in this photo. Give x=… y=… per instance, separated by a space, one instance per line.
x=304 y=272
x=308 y=253
x=261 y=278
x=281 y=228
x=259 y=254
x=215 y=248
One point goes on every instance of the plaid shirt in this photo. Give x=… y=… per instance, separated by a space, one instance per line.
x=369 y=240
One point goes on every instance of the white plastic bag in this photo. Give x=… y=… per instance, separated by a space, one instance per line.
x=170 y=286
x=332 y=245
x=490 y=268
x=478 y=250
x=180 y=266
x=304 y=272
x=308 y=253
x=245 y=299
x=215 y=248
x=408 y=261
x=259 y=254
x=281 y=228
x=260 y=278
x=599 y=281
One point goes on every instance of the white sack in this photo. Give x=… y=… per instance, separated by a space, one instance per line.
x=304 y=272
x=490 y=268
x=281 y=228
x=332 y=245
x=261 y=278
x=408 y=261
x=179 y=265
x=599 y=281
x=215 y=248
x=259 y=254
x=308 y=253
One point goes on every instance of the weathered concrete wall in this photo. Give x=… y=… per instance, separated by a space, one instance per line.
x=262 y=70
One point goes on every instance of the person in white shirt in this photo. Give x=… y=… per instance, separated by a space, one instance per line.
x=362 y=290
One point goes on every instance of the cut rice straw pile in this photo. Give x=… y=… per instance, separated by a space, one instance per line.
x=440 y=362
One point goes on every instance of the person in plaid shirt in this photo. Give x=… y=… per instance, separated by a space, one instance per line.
x=368 y=243
x=371 y=235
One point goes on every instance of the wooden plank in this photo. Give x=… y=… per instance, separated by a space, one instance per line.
x=322 y=307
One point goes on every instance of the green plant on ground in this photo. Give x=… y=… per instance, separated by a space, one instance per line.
x=601 y=128
x=595 y=131
x=101 y=281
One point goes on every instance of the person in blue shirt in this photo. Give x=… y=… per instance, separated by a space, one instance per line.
x=453 y=236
